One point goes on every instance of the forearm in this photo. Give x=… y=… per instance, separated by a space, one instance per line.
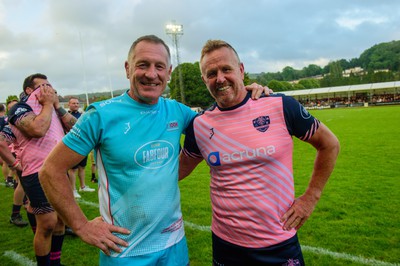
x=186 y=165
x=36 y=126
x=54 y=180
x=5 y=152
x=66 y=118
x=323 y=167
x=58 y=191
x=327 y=146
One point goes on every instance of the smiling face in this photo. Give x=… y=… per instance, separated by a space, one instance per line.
x=223 y=75
x=148 y=69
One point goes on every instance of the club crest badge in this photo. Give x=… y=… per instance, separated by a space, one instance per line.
x=261 y=123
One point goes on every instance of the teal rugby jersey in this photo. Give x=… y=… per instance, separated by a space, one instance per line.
x=137 y=147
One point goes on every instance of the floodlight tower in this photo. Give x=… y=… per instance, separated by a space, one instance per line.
x=175 y=31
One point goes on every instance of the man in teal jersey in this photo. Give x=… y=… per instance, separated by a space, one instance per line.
x=136 y=137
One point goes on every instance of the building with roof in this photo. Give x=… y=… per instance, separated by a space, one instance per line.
x=349 y=95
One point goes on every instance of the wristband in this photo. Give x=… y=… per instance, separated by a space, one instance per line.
x=61 y=111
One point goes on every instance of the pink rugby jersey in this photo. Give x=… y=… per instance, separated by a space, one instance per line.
x=33 y=151
x=249 y=150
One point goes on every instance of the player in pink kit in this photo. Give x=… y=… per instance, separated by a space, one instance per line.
x=38 y=123
x=248 y=146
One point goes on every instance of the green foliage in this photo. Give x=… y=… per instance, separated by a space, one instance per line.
x=11 y=98
x=298 y=86
x=335 y=75
x=311 y=71
x=287 y=86
x=378 y=57
x=276 y=85
x=382 y=56
x=264 y=78
x=247 y=80
x=195 y=91
x=289 y=73
x=309 y=83
x=335 y=70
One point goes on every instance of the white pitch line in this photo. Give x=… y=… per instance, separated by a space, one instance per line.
x=315 y=250
x=203 y=228
x=346 y=256
x=89 y=203
x=19 y=258
x=358 y=259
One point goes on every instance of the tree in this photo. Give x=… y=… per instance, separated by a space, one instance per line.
x=287 y=85
x=277 y=86
x=335 y=70
x=298 y=86
x=11 y=98
x=335 y=76
x=309 y=83
x=382 y=56
x=196 y=93
x=311 y=71
x=289 y=73
x=247 y=80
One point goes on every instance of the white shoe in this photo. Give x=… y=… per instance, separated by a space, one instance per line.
x=86 y=189
x=76 y=194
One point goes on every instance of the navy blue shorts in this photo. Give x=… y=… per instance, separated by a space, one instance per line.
x=81 y=163
x=35 y=194
x=283 y=254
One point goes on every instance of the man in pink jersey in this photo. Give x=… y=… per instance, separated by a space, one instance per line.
x=38 y=123
x=248 y=146
x=5 y=150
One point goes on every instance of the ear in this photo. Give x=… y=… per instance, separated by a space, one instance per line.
x=28 y=90
x=169 y=72
x=127 y=69
x=242 y=70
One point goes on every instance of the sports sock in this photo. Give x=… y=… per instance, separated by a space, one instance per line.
x=15 y=210
x=32 y=221
x=43 y=260
x=56 y=245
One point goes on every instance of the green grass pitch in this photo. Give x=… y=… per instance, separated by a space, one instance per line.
x=356 y=221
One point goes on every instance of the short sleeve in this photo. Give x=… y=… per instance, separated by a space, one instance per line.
x=86 y=133
x=299 y=121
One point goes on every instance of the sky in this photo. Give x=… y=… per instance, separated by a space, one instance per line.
x=82 y=45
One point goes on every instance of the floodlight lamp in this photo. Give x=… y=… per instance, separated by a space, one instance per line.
x=174 y=29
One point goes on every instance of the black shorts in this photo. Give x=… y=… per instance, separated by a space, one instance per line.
x=283 y=254
x=35 y=194
x=81 y=164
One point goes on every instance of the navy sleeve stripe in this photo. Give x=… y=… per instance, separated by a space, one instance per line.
x=311 y=131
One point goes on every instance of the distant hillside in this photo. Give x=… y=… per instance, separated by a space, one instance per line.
x=381 y=56
x=378 y=57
